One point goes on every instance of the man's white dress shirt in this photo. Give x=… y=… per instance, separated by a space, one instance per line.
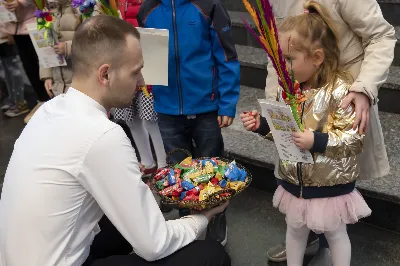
x=69 y=166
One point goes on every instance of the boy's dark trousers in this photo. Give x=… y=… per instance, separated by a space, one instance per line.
x=179 y=132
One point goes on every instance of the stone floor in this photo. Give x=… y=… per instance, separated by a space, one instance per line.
x=254 y=225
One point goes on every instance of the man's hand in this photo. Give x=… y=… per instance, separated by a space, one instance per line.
x=209 y=214
x=48 y=84
x=304 y=140
x=11 y=5
x=251 y=120
x=59 y=48
x=224 y=121
x=362 y=106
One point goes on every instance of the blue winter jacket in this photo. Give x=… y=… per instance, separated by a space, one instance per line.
x=204 y=72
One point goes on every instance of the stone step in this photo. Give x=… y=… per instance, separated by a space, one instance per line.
x=242 y=36
x=259 y=156
x=254 y=72
x=390 y=8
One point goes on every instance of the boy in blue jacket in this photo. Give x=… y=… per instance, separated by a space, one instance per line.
x=203 y=81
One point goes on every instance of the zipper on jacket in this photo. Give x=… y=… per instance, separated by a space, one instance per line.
x=213 y=84
x=177 y=57
x=299 y=165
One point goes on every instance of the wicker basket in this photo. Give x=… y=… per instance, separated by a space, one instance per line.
x=213 y=200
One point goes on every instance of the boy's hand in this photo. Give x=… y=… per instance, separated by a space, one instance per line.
x=250 y=120
x=224 y=121
x=11 y=5
x=304 y=140
x=59 y=48
x=48 y=84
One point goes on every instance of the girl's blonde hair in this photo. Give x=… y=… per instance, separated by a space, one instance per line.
x=316 y=29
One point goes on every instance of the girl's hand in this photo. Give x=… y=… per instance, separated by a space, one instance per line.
x=250 y=120
x=304 y=140
x=59 y=48
x=11 y=5
x=48 y=84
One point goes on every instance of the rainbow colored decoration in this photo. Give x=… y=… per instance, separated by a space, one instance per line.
x=268 y=39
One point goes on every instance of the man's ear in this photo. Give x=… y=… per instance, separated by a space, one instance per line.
x=103 y=74
x=318 y=57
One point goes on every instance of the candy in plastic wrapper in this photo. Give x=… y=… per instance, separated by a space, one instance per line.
x=177 y=172
x=161 y=173
x=236 y=185
x=187 y=162
x=222 y=183
x=177 y=193
x=160 y=184
x=187 y=185
x=192 y=174
x=202 y=179
x=165 y=183
x=191 y=197
x=218 y=176
x=168 y=191
x=207 y=191
x=183 y=195
x=233 y=173
x=214 y=181
x=194 y=191
x=171 y=178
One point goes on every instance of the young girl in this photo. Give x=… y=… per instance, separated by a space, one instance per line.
x=66 y=21
x=25 y=13
x=140 y=116
x=320 y=196
x=15 y=104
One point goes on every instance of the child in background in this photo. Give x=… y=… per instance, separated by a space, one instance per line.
x=320 y=196
x=140 y=116
x=15 y=104
x=25 y=13
x=65 y=22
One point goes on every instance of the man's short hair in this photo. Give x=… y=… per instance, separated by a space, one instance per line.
x=99 y=40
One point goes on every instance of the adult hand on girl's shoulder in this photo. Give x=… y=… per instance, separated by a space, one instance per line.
x=250 y=120
x=362 y=105
x=11 y=5
x=304 y=140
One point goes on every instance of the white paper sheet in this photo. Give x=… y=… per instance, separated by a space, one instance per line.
x=47 y=57
x=282 y=124
x=154 y=44
x=5 y=15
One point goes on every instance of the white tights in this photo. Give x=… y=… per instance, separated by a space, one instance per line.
x=141 y=129
x=339 y=244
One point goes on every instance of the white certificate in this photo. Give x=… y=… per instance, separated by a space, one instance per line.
x=5 y=15
x=282 y=124
x=154 y=44
x=46 y=54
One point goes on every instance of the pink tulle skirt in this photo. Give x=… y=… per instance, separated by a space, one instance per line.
x=322 y=214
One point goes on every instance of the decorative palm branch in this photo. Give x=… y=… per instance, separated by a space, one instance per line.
x=268 y=39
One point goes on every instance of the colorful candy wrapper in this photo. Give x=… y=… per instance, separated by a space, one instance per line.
x=165 y=183
x=214 y=181
x=222 y=183
x=202 y=179
x=191 y=197
x=192 y=174
x=171 y=178
x=194 y=191
x=236 y=185
x=187 y=163
x=177 y=172
x=183 y=195
x=233 y=173
x=177 y=193
x=187 y=185
x=161 y=173
x=168 y=191
x=160 y=185
x=219 y=176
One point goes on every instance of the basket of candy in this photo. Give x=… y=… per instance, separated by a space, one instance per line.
x=200 y=183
